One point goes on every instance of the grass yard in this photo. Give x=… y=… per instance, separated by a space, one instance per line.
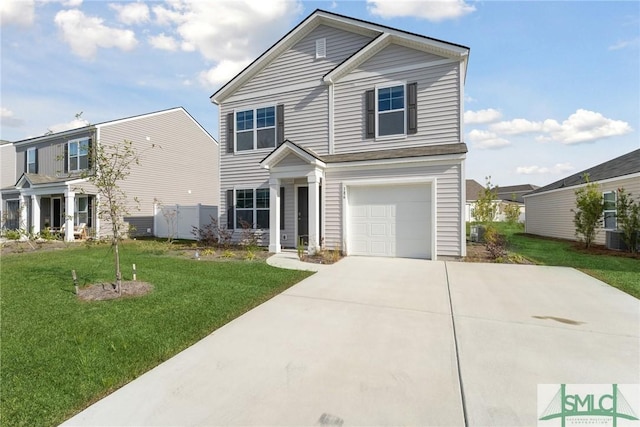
x=615 y=268
x=59 y=354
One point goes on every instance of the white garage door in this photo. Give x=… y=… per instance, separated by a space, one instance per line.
x=390 y=220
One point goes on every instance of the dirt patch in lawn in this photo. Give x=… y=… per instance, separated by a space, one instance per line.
x=107 y=291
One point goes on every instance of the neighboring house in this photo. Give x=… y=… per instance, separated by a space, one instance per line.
x=347 y=134
x=178 y=164
x=7 y=179
x=509 y=194
x=549 y=208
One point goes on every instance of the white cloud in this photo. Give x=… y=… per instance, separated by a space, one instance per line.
x=435 y=11
x=557 y=169
x=516 y=127
x=486 y=140
x=17 y=12
x=73 y=124
x=584 y=126
x=581 y=126
x=622 y=44
x=131 y=13
x=7 y=119
x=85 y=34
x=163 y=42
x=481 y=116
x=223 y=72
x=65 y=3
x=229 y=33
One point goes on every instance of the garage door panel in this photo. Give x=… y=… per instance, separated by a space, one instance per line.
x=390 y=220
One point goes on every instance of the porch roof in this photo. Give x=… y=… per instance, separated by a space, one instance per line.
x=397 y=153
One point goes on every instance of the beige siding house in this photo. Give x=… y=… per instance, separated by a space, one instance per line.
x=549 y=207
x=348 y=134
x=178 y=165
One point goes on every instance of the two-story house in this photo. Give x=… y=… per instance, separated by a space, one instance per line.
x=178 y=165
x=348 y=134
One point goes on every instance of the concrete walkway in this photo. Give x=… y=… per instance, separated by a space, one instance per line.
x=373 y=342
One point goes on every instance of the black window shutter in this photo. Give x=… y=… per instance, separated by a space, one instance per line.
x=230 y=128
x=280 y=127
x=26 y=161
x=230 y=210
x=89 y=153
x=65 y=160
x=370 y=116
x=36 y=155
x=412 y=108
x=281 y=208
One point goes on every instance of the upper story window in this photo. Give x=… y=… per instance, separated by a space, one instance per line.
x=609 y=210
x=255 y=129
x=32 y=161
x=391 y=110
x=78 y=154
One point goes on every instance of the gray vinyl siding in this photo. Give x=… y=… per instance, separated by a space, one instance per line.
x=50 y=154
x=298 y=65
x=178 y=163
x=549 y=214
x=8 y=165
x=438 y=105
x=449 y=208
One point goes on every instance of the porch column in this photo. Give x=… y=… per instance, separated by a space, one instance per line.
x=69 y=201
x=313 y=181
x=24 y=213
x=35 y=213
x=274 y=215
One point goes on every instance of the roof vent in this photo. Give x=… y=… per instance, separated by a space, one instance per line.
x=321 y=48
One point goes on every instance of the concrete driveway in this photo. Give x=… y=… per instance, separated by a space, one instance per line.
x=371 y=341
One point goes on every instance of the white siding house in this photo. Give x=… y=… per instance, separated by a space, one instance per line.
x=549 y=208
x=178 y=165
x=348 y=134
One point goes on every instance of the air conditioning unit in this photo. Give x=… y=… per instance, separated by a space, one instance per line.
x=477 y=233
x=615 y=241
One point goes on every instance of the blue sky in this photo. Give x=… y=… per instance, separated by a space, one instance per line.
x=552 y=87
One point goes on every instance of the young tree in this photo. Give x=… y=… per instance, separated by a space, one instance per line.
x=628 y=219
x=511 y=211
x=588 y=212
x=486 y=208
x=112 y=165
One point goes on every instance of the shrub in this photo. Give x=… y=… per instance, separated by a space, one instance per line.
x=495 y=243
x=588 y=212
x=12 y=234
x=213 y=234
x=628 y=219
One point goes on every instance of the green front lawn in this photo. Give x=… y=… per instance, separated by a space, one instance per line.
x=614 y=268
x=59 y=354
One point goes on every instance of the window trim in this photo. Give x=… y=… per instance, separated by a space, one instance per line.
x=609 y=211
x=255 y=128
x=77 y=211
x=254 y=207
x=35 y=160
x=78 y=141
x=403 y=85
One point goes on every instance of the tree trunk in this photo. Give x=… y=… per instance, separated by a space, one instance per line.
x=118 y=274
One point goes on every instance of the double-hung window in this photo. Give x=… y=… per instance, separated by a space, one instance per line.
x=32 y=161
x=390 y=110
x=81 y=214
x=255 y=129
x=609 y=198
x=252 y=208
x=78 y=154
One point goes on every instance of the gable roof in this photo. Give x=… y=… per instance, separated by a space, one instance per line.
x=626 y=164
x=473 y=189
x=346 y=23
x=506 y=193
x=112 y=122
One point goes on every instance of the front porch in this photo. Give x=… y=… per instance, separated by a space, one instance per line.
x=56 y=205
x=291 y=166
